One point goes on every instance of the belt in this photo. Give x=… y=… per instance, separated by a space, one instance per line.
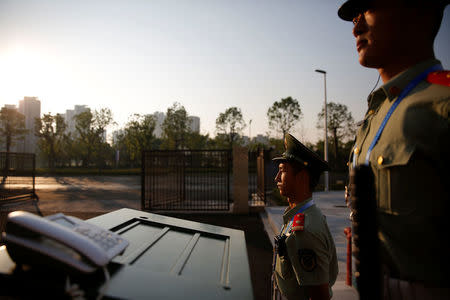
x=402 y=289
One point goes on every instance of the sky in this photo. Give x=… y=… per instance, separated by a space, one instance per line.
x=208 y=55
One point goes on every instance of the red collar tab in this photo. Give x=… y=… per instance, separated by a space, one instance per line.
x=299 y=222
x=439 y=77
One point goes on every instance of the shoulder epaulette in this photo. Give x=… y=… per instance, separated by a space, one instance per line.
x=299 y=222
x=439 y=77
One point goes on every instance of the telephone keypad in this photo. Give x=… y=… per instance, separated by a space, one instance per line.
x=102 y=238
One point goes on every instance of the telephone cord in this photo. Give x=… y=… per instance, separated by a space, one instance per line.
x=107 y=278
x=76 y=293
x=73 y=290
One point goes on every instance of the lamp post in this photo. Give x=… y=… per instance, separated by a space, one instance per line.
x=326 y=127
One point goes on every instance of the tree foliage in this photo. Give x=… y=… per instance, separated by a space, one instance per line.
x=91 y=131
x=175 y=127
x=283 y=115
x=230 y=124
x=340 y=124
x=12 y=127
x=198 y=141
x=138 y=136
x=51 y=132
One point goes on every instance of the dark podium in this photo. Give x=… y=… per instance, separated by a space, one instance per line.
x=169 y=258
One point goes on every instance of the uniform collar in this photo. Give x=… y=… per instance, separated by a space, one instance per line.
x=289 y=213
x=393 y=87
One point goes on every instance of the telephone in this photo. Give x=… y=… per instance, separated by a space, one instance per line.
x=60 y=240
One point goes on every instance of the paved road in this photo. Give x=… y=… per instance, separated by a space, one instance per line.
x=88 y=193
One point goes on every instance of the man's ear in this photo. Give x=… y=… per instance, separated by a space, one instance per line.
x=302 y=177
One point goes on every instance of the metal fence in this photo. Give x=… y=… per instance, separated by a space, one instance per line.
x=17 y=179
x=186 y=180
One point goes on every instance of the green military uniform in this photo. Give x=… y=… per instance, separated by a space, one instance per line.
x=311 y=258
x=410 y=163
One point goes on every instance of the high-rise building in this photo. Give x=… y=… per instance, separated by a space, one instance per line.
x=116 y=135
x=194 y=124
x=159 y=119
x=30 y=107
x=10 y=106
x=69 y=117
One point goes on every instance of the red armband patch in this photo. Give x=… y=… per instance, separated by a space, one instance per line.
x=439 y=77
x=299 y=222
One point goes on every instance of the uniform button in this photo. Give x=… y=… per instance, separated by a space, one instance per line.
x=348 y=164
x=380 y=160
x=370 y=112
x=305 y=163
x=356 y=150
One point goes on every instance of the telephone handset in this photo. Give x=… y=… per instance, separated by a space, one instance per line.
x=58 y=238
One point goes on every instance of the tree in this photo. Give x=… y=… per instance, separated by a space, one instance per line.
x=50 y=129
x=138 y=135
x=339 y=122
x=86 y=136
x=230 y=124
x=12 y=127
x=277 y=145
x=91 y=129
x=175 y=127
x=197 y=140
x=283 y=115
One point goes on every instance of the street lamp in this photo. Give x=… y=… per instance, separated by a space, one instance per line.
x=326 y=127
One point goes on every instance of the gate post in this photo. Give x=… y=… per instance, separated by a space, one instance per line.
x=240 y=180
x=260 y=177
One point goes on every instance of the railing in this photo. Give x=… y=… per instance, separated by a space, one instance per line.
x=186 y=180
x=17 y=177
x=17 y=184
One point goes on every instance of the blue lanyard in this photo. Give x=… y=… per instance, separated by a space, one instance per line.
x=412 y=84
x=301 y=209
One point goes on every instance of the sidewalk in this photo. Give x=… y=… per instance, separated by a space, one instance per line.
x=332 y=205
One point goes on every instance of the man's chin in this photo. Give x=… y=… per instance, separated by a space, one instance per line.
x=367 y=61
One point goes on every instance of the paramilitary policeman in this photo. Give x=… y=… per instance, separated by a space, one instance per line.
x=405 y=140
x=305 y=262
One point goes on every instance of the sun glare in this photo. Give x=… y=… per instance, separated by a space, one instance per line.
x=20 y=73
x=28 y=72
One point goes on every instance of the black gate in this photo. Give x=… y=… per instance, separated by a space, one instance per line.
x=17 y=177
x=186 y=180
x=17 y=184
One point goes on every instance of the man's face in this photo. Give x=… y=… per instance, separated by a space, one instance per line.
x=380 y=33
x=285 y=179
